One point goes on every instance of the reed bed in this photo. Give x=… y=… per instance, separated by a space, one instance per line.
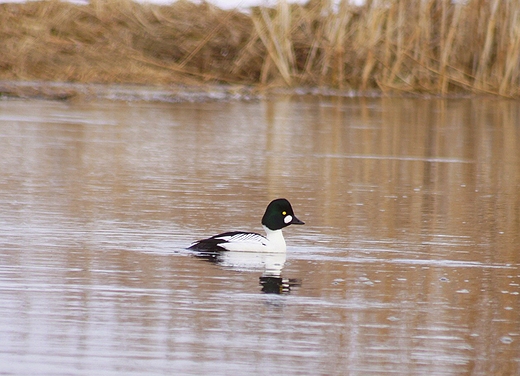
x=429 y=46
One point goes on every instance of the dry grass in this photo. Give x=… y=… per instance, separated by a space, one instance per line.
x=429 y=46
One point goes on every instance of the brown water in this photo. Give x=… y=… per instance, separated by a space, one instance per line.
x=409 y=259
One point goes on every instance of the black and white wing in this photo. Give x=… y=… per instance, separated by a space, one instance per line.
x=231 y=241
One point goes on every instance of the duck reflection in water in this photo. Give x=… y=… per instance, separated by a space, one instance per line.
x=270 y=263
x=248 y=250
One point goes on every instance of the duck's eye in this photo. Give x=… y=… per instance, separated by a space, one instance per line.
x=284 y=213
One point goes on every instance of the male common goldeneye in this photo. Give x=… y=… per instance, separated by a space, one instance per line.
x=279 y=214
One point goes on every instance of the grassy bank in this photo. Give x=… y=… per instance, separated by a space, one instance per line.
x=429 y=46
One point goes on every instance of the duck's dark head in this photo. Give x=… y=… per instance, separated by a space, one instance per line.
x=279 y=214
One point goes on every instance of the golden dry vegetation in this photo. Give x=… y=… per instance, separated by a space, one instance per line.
x=428 y=46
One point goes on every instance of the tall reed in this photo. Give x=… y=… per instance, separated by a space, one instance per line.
x=427 y=46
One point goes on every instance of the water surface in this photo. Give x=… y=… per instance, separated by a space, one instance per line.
x=408 y=262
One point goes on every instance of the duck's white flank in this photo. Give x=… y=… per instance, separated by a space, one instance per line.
x=249 y=242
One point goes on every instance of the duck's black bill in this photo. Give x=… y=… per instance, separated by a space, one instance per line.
x=296 y=221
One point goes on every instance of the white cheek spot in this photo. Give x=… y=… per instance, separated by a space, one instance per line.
x=287 y=219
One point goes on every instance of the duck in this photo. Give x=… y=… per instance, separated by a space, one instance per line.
x=278 y=215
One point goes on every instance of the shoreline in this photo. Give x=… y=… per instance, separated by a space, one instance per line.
x=178 y=93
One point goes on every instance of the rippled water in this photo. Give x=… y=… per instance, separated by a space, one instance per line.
x=408 y=262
